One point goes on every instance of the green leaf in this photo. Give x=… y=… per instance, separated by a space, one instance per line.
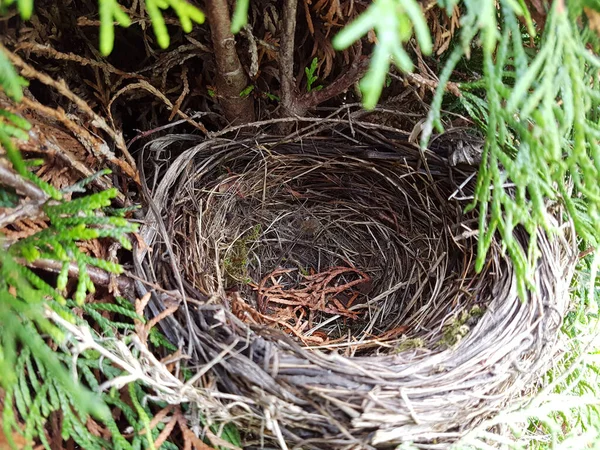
x=186 y=12
x=393 y=22
x=25 y=8
x=16 y=120
x=311 y=78
x=247 y=91
x=158 y=23
x=240 y=16
x=356 y=29
x=110 y=11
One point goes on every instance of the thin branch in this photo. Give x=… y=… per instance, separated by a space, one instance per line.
x=31 y=209
x=431 y=84
x=50 y=141
x=49 y=52
x=28 y=71
x=98 y=276
x=93 y=144
x=144 y=85
x=21 y=185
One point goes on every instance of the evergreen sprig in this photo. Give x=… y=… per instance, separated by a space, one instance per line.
x=71 y=222
x=393 y=22
x=111 y=13
x=240 y=15
x=187 y=13
x=38 y=380
x=36 y=395
x=33 y=376
x=23 y=319
x=23 y=296
x=14 y=126
x=25 y=7
x=540 y=117
x=10 y=82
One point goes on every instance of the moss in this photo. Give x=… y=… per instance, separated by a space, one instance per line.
x=235 y=262
x=409 y=344
x=457 y=328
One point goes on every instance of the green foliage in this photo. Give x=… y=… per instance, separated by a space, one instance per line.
x=36 y=396
x=33 y=375
x=13 y=126
x=393 y=22
x=186 y=12
x=539 y=115
x=247 y=91
x=72 y=222
x=10 y=83
x=39 y=381
x=23 y=299
x=25 y=8
x=240 y=16
x=272 y=97
x=110 y=11
x=311 y=76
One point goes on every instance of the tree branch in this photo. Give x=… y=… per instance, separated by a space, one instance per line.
x=21 y=185
x=98 y=276
x=231 y=78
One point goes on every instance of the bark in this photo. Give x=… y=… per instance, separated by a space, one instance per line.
x=288 y=92
x=231 y=77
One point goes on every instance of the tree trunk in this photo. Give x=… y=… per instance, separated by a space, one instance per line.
x=286 y=60
x=231 y=77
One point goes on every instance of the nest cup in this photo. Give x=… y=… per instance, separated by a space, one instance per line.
x=332 y=297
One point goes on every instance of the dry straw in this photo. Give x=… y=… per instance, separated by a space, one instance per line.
x=330 y=297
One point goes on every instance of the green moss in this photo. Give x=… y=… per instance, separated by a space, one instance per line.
x=409 y=344
x=235 y=262
x=457 y=328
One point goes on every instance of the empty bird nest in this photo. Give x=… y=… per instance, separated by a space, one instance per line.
x=329 y=295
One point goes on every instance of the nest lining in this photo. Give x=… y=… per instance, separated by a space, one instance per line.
x=269 y=224
x=426 y=349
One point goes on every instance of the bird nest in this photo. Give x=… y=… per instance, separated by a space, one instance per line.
x=330 y=295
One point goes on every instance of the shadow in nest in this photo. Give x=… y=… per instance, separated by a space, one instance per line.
x=332 y=300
